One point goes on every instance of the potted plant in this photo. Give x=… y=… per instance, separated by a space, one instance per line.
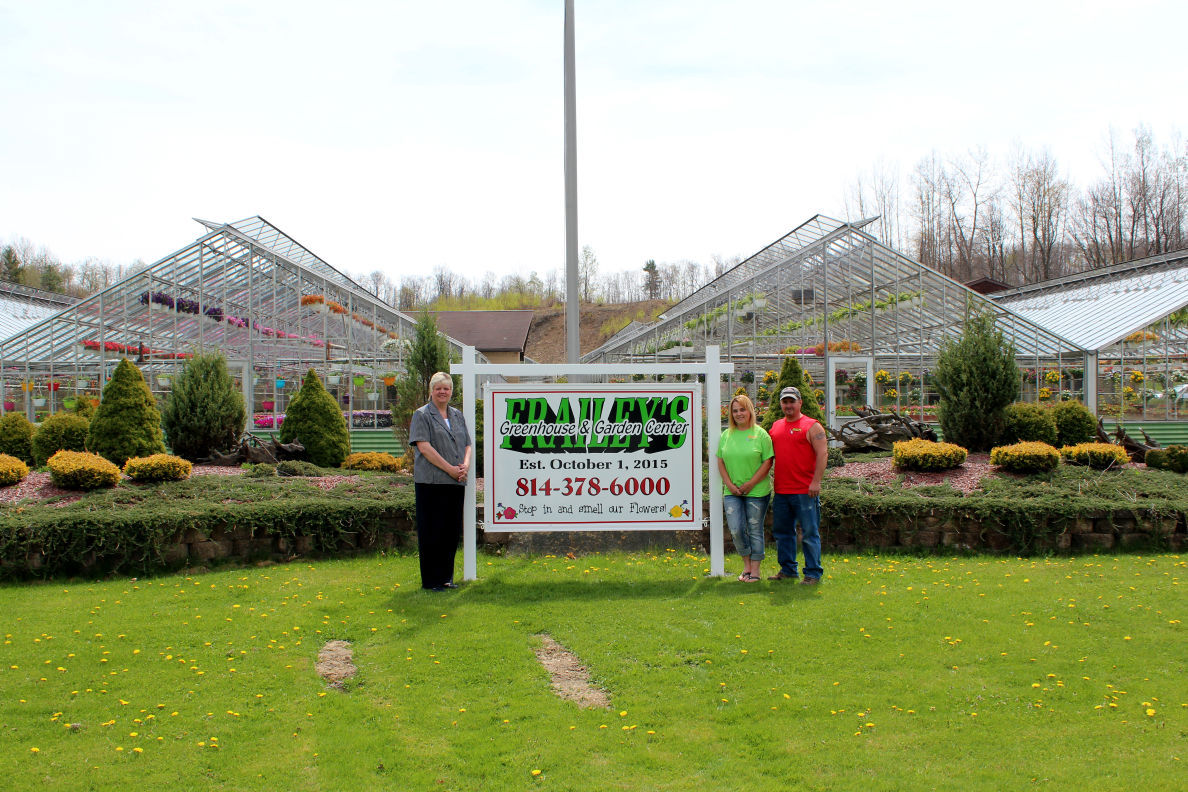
x=333 y=379
x=268 y=405
x=9 y=406
x=82 y=384
x=359 y=380
x=163 y=380
x=38 y=401
x=70 y=402
x=372 y=395
x=280 y=383
x=390 y=378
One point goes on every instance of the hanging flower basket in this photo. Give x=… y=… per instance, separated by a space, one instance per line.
x=359 y=381
x=333 y=379
x=163 y=382
x=268 y=405
x=280 y=384
x=759 y=303
x=26 y=386
x=39 y=401
x=389 y=381
x=70 y=402
x=82 y=383
x=372 y=395
x=9 y=406
x=94 y=402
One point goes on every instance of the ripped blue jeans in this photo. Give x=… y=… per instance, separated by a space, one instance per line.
x=744 y=516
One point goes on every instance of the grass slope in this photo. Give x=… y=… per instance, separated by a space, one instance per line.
x=896 y=673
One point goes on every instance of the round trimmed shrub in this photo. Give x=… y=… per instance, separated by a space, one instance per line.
x=1173 y=458
x=158 y=467
x=1074 y=423
x=315 y=420
x=293 y=467
x=1029 y=457
x=61 y=431
x=16 y=435
x=12 y=470
x=127 y=423
x=925 y=455
x=80 y=470
x=1099 y=456
x=372 y=460
x=1026 y=423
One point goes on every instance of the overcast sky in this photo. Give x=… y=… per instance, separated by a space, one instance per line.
x=403 y=135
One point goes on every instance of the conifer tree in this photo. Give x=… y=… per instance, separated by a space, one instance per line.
x=203 y=412
x=314 y=420
x=976 y=378
x=792 y=374
x=127 y=422
x=428 y=354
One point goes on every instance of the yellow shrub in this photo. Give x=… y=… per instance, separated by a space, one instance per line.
x=1098 y=456
x=157 y=467
x=371 y=460
x=82 y=471
x=1029 y=457
x=12 y=470
x=921 y=454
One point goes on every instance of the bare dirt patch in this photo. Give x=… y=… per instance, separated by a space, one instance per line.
x=569 y=677
x=336 y=663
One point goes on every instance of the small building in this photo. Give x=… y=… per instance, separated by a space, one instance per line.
x=501 y=336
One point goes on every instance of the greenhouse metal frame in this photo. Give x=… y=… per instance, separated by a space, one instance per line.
x=865 y=321
x=245 y=289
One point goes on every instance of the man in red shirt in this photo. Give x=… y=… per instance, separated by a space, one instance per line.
x=801 y=451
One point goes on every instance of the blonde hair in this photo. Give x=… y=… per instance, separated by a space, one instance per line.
x=439 y=378
x=745 y=401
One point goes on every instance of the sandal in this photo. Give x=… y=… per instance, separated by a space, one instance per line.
x=743 y=577
x=747 y=578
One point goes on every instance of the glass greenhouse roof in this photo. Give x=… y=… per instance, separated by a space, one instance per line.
x=1102 y=307
x=827 y=282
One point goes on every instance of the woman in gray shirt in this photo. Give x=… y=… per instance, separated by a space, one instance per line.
x=441 y=461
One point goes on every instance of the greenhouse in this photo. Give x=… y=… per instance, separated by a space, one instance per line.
x=865 y=322
x=245 y=289
x=1132 y=319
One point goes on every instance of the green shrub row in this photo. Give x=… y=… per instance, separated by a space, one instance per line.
x=1027 y=457
x=1173 y=458
x=1062 y=424
x=926 y=455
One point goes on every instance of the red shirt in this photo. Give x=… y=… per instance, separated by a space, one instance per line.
x=795 y=459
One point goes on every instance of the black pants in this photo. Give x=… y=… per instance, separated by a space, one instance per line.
x=439 y=527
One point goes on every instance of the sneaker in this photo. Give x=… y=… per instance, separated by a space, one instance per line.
x=808 y=581
x=781 y=576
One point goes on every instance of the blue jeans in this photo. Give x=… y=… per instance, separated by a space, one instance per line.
x=787 y=510
x=745 y=516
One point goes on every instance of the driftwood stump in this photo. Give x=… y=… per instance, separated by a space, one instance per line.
x=879 y=431
x=251 y=449
x=1134 y=449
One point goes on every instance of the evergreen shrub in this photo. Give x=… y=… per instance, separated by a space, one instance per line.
x=1099 y=456
x=791 y=374
x=921 y=454
x=835 y=459
x=80 y=470
x=203 y=412
x=372 y=460
x=314 y=420
x=127 y=423
x=1028 y=423
x=1025 y=457
x=60 y=431
x=12 y=470
x=16 y=435
x=293 y=467
x=1173 y=458
x=1074 y=423
x=158 y=467
x=975 y=378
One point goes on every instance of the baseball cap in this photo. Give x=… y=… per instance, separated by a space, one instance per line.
x=790 y=393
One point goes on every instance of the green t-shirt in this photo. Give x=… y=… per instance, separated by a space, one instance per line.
x=744 y=451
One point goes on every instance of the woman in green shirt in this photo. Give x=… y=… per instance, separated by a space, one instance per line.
x=744 y=459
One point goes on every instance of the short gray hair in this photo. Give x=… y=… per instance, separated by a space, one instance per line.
x=439 y=378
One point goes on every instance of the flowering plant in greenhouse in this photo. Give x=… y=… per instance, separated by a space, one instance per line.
x=769 y=377
x=1052 y=377
x=906 y=378
x=882 y=377
x=1045 y=394
x=313 y=299
x=891 y=394
x=860 y=378
x=1128 y=393
x=1136 y=377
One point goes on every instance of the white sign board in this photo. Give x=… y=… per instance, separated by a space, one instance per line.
x=592 y=457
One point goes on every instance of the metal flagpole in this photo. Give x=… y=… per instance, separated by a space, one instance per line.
x=572 y=347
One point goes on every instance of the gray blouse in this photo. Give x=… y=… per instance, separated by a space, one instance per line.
x=449 y=441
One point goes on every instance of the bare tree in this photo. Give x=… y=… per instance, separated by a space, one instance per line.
x=587 y=274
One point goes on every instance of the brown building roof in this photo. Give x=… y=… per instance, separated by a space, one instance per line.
x=487 y=331
x=987 y=285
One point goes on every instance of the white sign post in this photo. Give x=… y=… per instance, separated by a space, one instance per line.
x=582 y=450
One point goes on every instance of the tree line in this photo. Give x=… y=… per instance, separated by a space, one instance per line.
x=1019 y=219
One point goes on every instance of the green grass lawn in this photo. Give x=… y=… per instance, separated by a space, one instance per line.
x=896 y=673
